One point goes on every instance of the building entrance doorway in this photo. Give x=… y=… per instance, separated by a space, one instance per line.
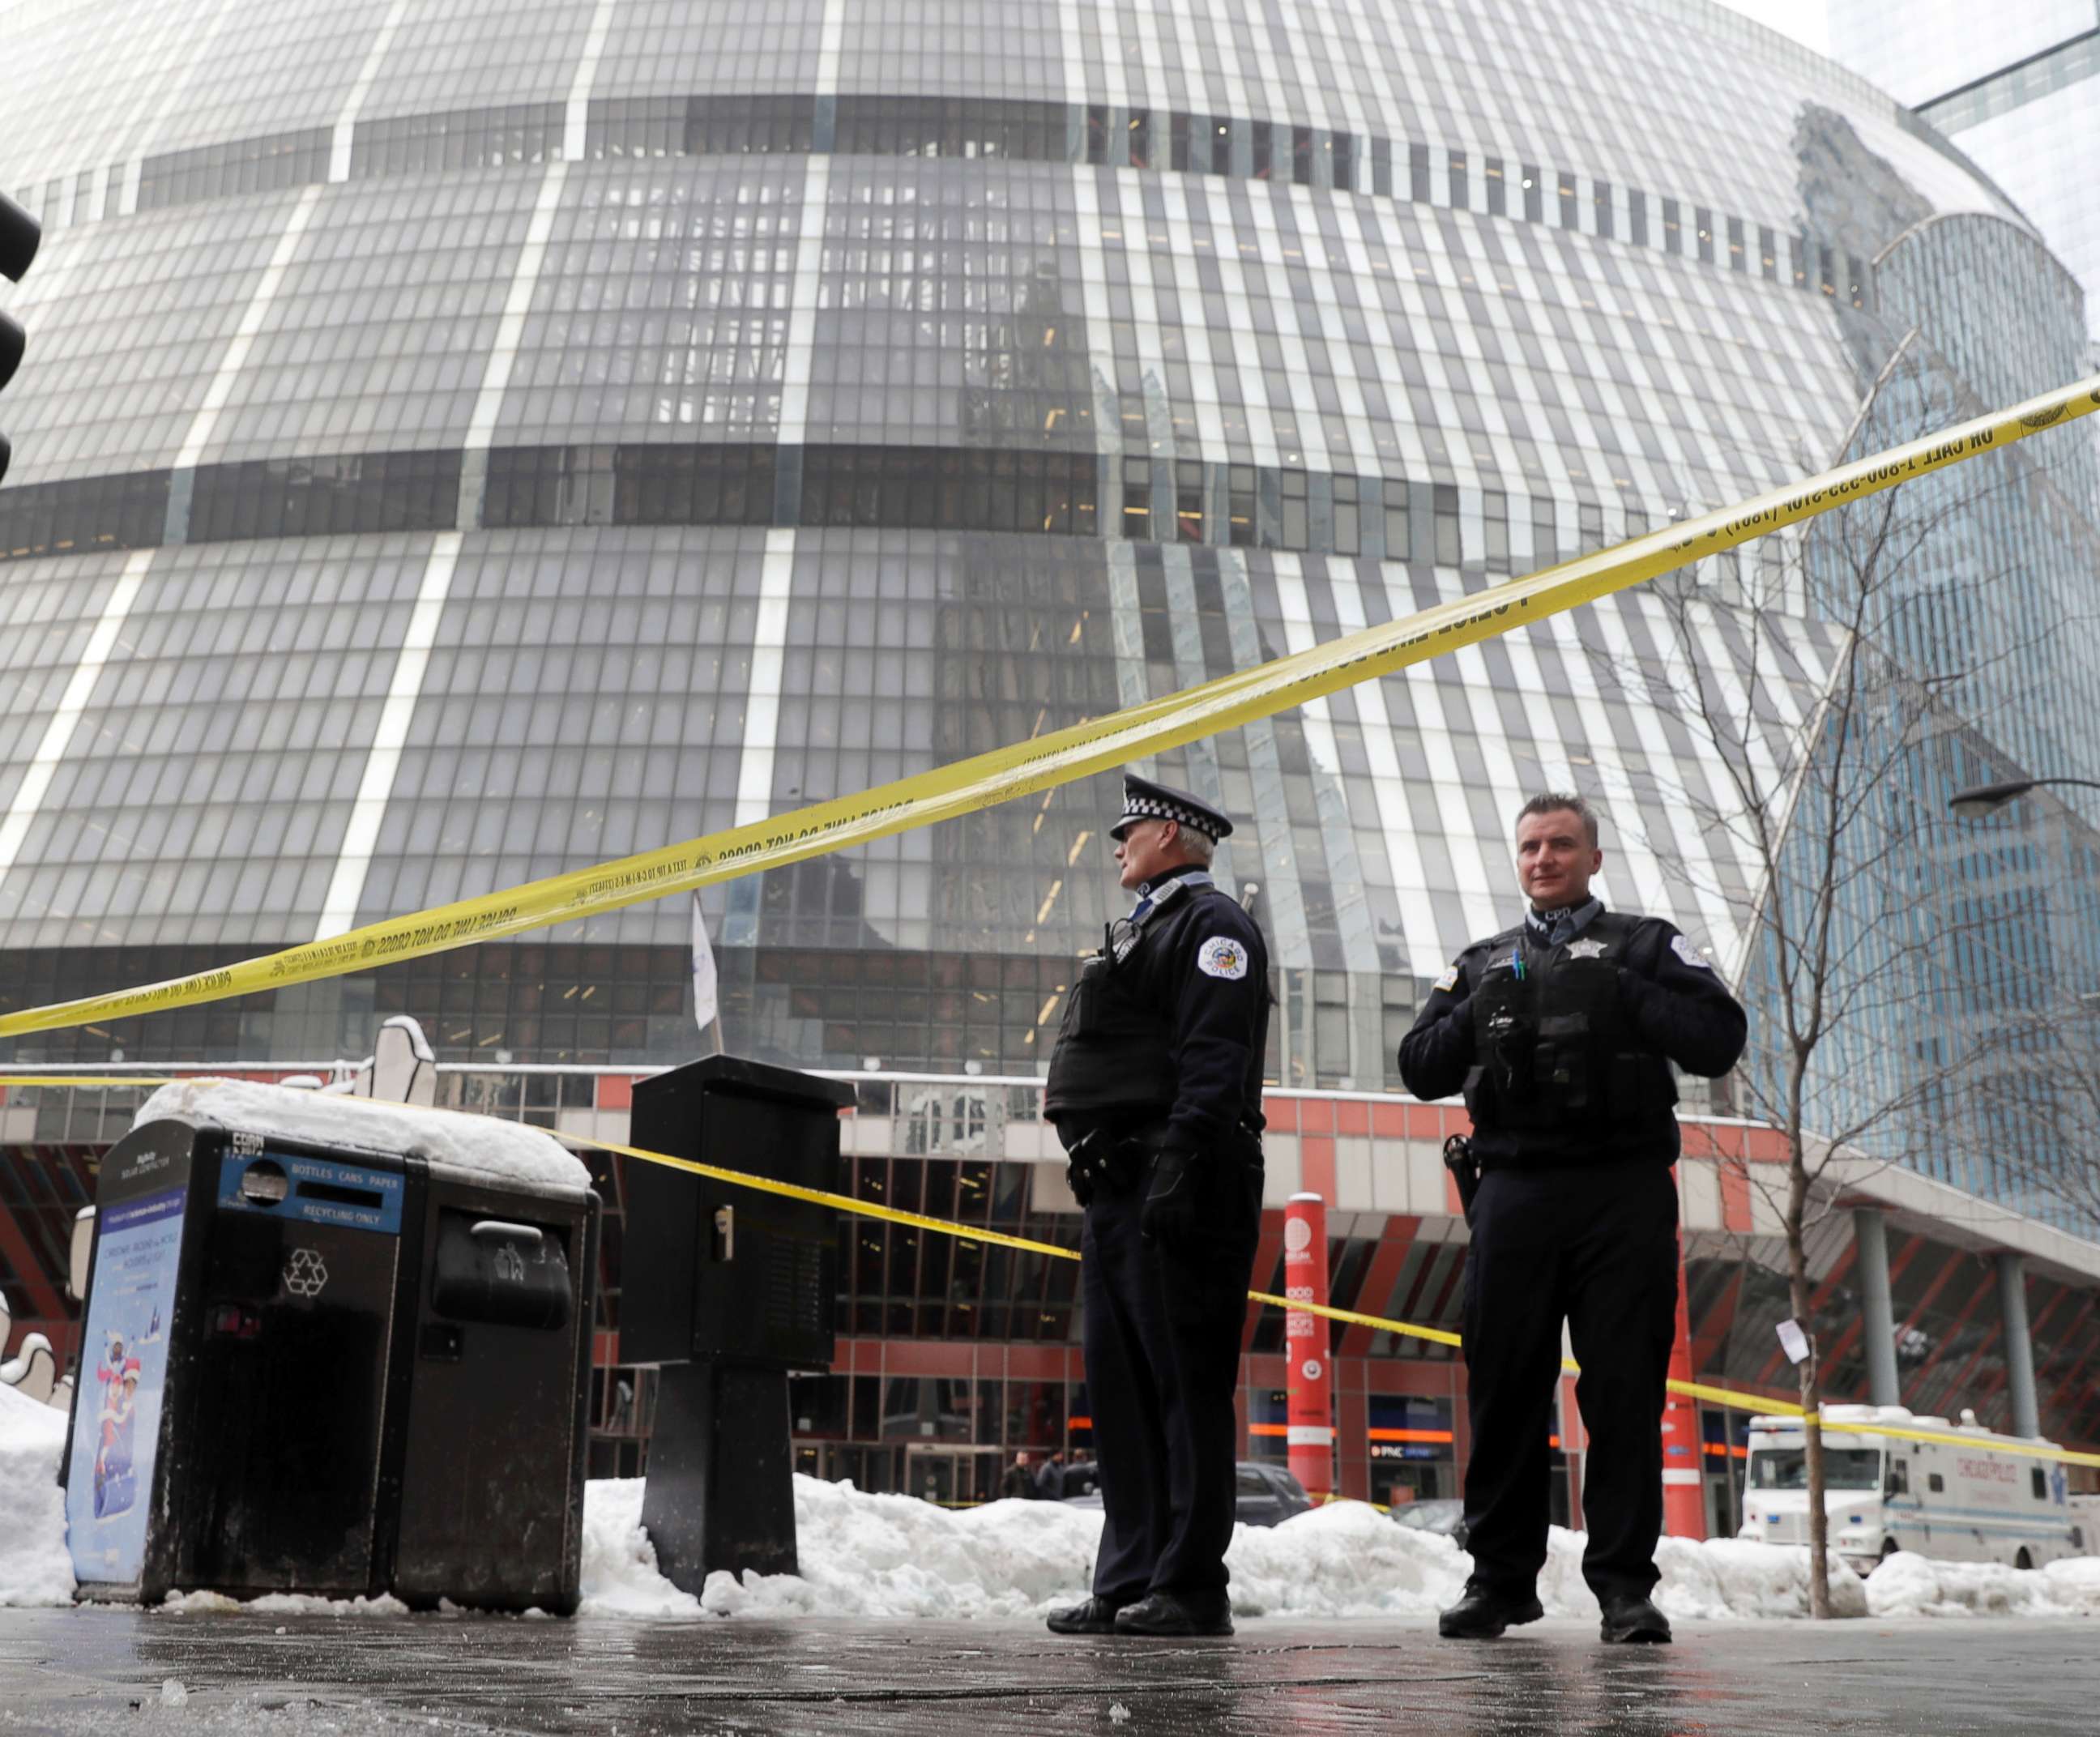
x=952 y=1474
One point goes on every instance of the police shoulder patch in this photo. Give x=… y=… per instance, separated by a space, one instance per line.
x=1683 y=949
x=1449 y=981
x=1221 y=956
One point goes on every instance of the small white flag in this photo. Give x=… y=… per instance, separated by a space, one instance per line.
x=704 y=970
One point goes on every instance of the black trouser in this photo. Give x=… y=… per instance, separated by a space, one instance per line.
x=1595 y=1245
x=1162 y=1347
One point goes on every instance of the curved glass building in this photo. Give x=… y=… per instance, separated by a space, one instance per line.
x=464 y=441
x=461 y=442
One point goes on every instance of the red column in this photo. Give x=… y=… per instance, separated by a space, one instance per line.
x=1683 y=1476
x=1309 y=1373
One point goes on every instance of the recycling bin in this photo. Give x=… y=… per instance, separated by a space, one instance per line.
x=316 y=1365
x=491 y=1502
x=726 y=1288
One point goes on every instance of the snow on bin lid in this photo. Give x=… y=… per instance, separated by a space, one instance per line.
x=504 y=1151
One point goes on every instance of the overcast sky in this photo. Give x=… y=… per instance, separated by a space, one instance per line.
x=1804 y=20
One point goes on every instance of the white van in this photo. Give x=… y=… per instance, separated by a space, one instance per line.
x=1972 y=1502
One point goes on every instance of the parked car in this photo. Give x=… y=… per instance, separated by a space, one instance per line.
x=1266 y=1495
x=1445 y=1515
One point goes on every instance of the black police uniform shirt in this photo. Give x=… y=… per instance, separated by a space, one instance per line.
x=1562 y=1051
x=1168 y=1022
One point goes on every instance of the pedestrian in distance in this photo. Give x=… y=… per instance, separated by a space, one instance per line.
x=1560 y=1032
x=1155 y=1090
x=1050 y=1481
x=1019 y=1483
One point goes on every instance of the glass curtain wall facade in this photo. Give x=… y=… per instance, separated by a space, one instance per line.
x=462 y=444
x=2015 y=88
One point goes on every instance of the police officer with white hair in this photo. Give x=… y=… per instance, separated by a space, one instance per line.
x=1155 y=1090
x=1561 y=1031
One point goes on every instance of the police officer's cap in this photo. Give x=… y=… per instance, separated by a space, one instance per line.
x=1143 y=799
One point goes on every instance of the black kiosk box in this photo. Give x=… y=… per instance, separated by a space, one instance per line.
x=726 y=1288
x=316 y=1367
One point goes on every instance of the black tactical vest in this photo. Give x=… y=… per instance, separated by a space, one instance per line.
x=1113 y=1065
x=1554 y=1052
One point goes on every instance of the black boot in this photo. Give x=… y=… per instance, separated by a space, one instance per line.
x=1631 y=1617
x=1176 y=1613
x=1482 y=1613
x=1096 y=1616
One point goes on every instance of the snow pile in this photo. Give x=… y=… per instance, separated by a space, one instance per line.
x=860 y=1556
x=487 y=1145
x=283 y=1604
x=1733 y=1577
x=1347 y=1559
x=1908 y=1585
x=619 y=1575
x=34 y=1567
x=896 y=1556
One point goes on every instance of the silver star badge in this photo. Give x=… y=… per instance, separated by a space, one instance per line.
x=1586 y=949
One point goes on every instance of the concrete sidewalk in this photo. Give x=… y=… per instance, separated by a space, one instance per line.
x=102 y=1670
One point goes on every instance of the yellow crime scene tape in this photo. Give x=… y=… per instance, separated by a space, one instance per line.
x=1079 y=751
x=846 y=1203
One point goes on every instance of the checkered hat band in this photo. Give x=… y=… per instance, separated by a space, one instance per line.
x=1153 y=808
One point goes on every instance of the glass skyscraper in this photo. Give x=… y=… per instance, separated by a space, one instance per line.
x=2013 y=87
x=461 y=443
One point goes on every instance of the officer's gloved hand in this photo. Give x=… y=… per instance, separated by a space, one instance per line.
x=1169 y=1215
x=1080 y=1180
x=1079 y=1167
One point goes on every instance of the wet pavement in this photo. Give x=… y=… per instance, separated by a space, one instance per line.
x=104 y=1671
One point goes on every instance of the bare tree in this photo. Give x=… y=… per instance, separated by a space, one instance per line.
x=1836 y=685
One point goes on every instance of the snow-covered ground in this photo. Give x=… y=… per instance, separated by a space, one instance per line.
x=867 y=1555
x=896 y=1556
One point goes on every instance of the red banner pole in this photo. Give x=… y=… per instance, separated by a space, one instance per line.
x=1309 y=1380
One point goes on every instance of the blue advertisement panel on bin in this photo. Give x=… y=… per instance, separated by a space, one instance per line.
x=110 y=1480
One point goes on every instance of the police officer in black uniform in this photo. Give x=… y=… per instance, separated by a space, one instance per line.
x=1560 y=1033
x=1155 y=1090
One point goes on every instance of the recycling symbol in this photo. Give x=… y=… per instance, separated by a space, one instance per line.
x=305 y=1273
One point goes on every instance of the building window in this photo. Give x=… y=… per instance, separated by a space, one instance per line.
x=1297 y=515
x=1188 y=501
x=1397 y=545
x=1348 y=536
x=1445 y=503
x=1545 y=537
x=1239 y=506
x=1137 y=498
